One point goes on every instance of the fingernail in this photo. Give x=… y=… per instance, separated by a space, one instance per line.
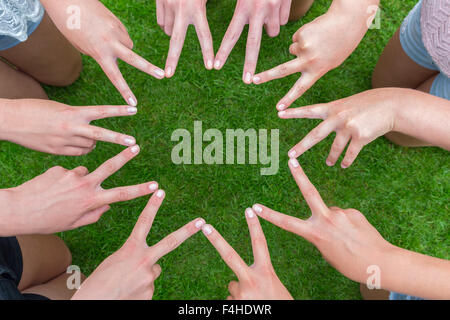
x=153 y=186
x=292 y=154
x=209 y=64
x=217 y=64
x=329 y=163
x=132 y=110
x=248 y=78
x=294 y=163
x=129 y=141
x=135 y=149
x=160 y=73
x=256 y=79
x=281 y=113
x=281 y=107
x=199 y=224
x=257 y=208
x=132 y=102
x=169 y=72
x=344 y=166
x=160 y=193
x=249 y=213
x=207 y=229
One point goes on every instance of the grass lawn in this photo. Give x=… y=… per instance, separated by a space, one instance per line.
x=403 y=192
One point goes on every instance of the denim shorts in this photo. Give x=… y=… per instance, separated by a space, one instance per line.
x=7 y=42
x=11 y=267
x=412 y=44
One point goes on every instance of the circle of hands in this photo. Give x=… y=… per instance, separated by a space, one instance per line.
x=66 y=199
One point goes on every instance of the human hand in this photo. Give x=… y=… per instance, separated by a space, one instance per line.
x=344 y=236
x=359 y=119
x=257 y=13
x=321 y=45
x=129 y=273
x=56 y=128
x=102 y=36
x=174 y=17
x=257 y=282
x=62 y=199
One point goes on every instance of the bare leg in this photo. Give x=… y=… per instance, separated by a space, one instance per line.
x=299 y=8
x=46 y=56
x=396 y=69
x=55 y=289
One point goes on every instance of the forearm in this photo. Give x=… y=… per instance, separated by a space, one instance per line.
x=7 y=223
x=422 y=116
x=416 y=274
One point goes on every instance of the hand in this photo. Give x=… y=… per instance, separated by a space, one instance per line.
x=344 y=237
x=257 y=13
x=257 y=282
x=61 y=199
x=129 y=273
x=56 y=128
x=101 y=36
x=321 y=46
x=359 y=119
x=174 y=17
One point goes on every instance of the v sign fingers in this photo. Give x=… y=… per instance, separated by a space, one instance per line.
x=259 y=243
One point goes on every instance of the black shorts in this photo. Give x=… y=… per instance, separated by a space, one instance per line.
x=11 y=267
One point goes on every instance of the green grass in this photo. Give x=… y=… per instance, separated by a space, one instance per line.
x=403 y=192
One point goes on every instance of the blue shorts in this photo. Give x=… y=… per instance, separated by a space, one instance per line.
x=7 y=42
x=412 y=44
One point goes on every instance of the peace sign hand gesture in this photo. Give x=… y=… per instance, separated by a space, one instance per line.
x=257 y=282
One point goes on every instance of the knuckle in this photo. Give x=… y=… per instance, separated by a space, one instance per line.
x=171 y=242
x=123 y=195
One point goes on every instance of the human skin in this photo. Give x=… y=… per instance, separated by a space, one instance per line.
x=258 y=281
x=351 y=245
x=129 y=273
x=270 y=14
x=322 y=45
x=174 y=17
x=62 y=199
x=364 y=117
x=56 y=128
x=102 y=36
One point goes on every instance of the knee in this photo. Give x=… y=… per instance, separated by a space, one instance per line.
x=64 y=253
x=67 y=74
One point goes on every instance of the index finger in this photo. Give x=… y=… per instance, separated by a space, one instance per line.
x=145 y=220
x=176 y=45
x=135 y=60
x=232 y=35
x=228 y=254
x=259 y=242
x=102 y=112
x=175 y=239
x=252 y=50
x=205 y=39
x=105 y=135
x=114 y=164
x=310 y=193
x=281 y=71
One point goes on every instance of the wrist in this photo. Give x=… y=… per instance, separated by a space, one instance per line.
x=5 y=117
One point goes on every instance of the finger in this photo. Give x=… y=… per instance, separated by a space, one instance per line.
x=124 y=39
x=169 y=19
x=228 y=254
x=232 y=35
x=288 y=223
x=310 y=193
x=318 y=111
x=176 y=45
x=160 y=13
x=314 y=137
x=156 y=270
x=230 y=298
x=102 y=112
x=205 y=39
x=73 y=151
x=81 y=171
x=294 y=49
x=252 y=51
x=91 y=217
x=105 y=135
x=352 y=152
x=114 y=164
x=145 y=220
x=259 y=243
x=233 y=288
x=285 y=11
x=338 y=146
x=281 y=71
x=273 y=23
x=135 y=60
x=81 y=142
x=121 y=194
x=301 y=86
x=175 y=239
x=113 y=73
